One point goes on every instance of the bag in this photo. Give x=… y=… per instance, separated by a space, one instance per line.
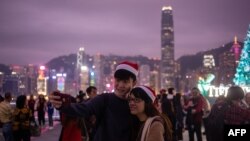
x=35 y=130
x=215 y=122
x=146 y=127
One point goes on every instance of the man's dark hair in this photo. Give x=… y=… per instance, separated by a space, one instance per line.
x=90 y=88
x=20 y=101
x=235 y=93
x=171 y=90
x=124 y=75
x=7 y=95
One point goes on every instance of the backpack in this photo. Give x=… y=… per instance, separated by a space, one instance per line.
x=215 y=122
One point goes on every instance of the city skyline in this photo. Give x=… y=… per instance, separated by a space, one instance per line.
x=33 y=32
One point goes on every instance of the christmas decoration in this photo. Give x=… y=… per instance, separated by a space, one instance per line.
x=242 y=76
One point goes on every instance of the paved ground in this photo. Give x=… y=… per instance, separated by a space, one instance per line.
x=49 y=135
x=46 y=133
x=53 y=135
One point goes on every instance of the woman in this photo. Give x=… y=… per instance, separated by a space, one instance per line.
x=73 y=128
x=22 y=117
x=179 y=116
x=153 y=126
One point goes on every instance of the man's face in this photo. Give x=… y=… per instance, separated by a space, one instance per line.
x=123 y=87
x=93 y=93
x=195 y=93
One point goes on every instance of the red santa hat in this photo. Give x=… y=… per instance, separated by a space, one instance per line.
x=129 y=66
x=149 y=92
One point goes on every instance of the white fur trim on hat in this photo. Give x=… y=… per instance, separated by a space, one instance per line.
x=128 y=68
x=149 y=92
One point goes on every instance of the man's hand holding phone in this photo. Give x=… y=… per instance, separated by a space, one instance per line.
x=56 y=99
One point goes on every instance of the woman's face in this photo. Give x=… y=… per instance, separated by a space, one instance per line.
x=136 y=105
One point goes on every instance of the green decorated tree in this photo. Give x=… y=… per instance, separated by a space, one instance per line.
x=242 y=76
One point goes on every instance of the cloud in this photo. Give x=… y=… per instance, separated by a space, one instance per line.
x=111 y=26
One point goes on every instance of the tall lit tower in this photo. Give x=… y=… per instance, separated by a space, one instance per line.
x=144 y=75
x=42 y=81
x=82 y=71
x=98 y=67
x=167 y=47
x=236 y=49
x=81 y=58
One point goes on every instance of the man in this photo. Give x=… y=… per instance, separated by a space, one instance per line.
x=111 y=110
x=236 y=114
x=6 y=113
x=227 y=111
x=80 y=97
x=194 y=114
x=171 y=110
x=31 y=105
x=91 y=92
x=91 y=121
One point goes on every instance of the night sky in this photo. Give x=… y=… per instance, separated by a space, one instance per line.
x=35 y=31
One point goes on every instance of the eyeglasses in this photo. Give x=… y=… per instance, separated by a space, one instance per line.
x=136 y=100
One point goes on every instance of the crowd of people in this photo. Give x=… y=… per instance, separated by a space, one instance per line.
x=131 y=113
x=17 y=120
x=135 y=113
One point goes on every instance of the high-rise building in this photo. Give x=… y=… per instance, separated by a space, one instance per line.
x=10 y=84
x=154 y=81
x=82 y=70
x=144 y=75
x=167 y=47
x=42 y=86
x=227 y=68
x=81 y=58
x=98 y=73
x=236 y=49
x=32 y=72
x=208 y=61
x=228 y=61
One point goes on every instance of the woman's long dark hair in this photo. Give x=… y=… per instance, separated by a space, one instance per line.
x=151 y=110
x=20 y=101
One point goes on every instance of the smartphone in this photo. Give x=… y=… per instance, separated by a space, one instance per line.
x=65 y=98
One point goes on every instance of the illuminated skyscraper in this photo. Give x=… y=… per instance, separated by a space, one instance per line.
x=144 y=75
x=167 y=47
x=208 y=61
x=236 y=49
x=82 y=70
x=81 y=58
x=42 y=81
x=98 y=73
